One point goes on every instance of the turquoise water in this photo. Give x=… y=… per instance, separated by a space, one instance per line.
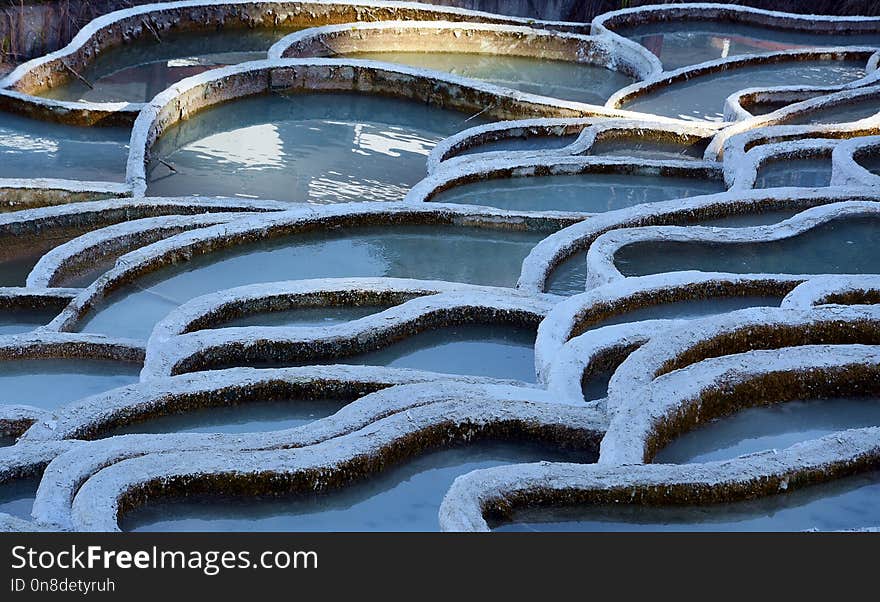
x=136 y=72
x=247 y=417
x=683 y=43
x=842 y=246
x=404 y=497
x=592 y=192
x=770 y=427
x=701 y=98
x=51 y=383
x=809 y=173
x=848 y=503
x=30 y=148
x=471 y=255
x=560 y=79
x=314 y=148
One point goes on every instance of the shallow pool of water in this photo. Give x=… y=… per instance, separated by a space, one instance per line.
x=592 y=193
x=136 y=72
x=808 y=173
x=30 y=148
x=17 y=497
x=471 y=255
x=842 y=246
x=248 y=417
x=843 y=113
x=871 y=163
x=647 y=149
x=16 y=321
x=530 y=143
x=304 y=316
x=849 y=503
x=6 y=441
x=315 y=148
x=770 y=427
x=476 y=350
x=404 y=497
x=51 y=383
x=580 y=82
x=679 y=44
x=690 y=309
x=701 y=98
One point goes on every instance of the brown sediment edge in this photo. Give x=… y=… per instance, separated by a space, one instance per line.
x=334 y=463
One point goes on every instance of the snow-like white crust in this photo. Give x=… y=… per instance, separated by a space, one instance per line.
x=423 y=416
x=185 y=339
x=746 y=174
x=669 y=375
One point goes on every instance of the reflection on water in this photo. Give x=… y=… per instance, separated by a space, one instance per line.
x=316 y=148
x=580 y=82
x=138 y=71
x=702 y=97
x=688 y=43
x=30 y=148
x=770 y=427
x=51 y=383
x=470 y=255
x=592 y=192
x=842 y=246
x=405 y=497
x=844 y=113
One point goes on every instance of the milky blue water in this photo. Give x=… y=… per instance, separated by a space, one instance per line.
x=682 y=43
x=51 y=383
x=807 y=173
x=592 y=192
x=581 y=82
x=30 y=148
x=472 y=255
x=248 y=417
x=137 y=71
x=770 y=427
x=842 y=246
x=701 y=97
x=311 y=148
x=17 y=497
x=405 y=497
